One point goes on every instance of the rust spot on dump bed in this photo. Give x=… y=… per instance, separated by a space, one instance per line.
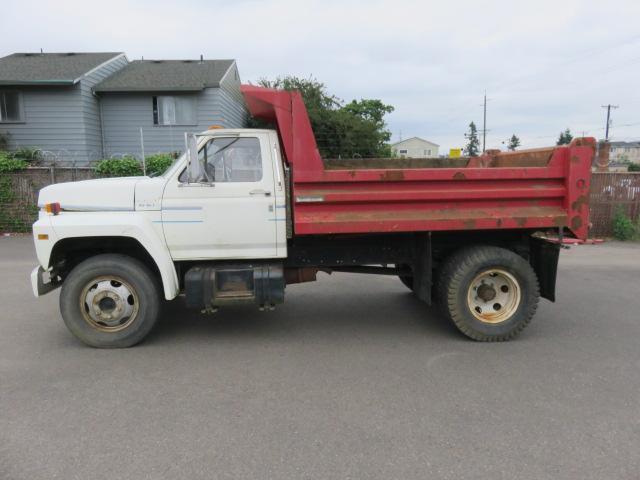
x=526 y=158
x=499 y=223
x=576 y=222
x=392 y=176
x=393 y=163
x=580 y=201
x=459 y=176
x=575 y=159
x=560 y=221
x=447 y=214
x=469 y=223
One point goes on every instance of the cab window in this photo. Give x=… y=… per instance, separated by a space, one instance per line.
x=231 y=159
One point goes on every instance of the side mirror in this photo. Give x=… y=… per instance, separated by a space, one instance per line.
x=195 y=170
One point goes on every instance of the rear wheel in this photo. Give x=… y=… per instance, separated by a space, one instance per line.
x=110 y=301
x=489 y=293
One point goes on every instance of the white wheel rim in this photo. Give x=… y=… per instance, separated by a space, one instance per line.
x=494 y=296
x=109 y=304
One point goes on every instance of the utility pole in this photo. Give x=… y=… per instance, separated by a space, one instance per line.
x=484 y=122
x=606 y=128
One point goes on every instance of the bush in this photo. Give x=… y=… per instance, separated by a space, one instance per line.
x=634 y=167
x=623 y=226
x=119 y=167
x=29 y=154
x=4 y=140
x=8 y=163
x=157 y=164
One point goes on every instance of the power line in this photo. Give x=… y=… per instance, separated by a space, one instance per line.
x=484 y=122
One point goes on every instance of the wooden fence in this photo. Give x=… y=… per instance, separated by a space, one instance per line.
x=19 y=195
x=610 y=192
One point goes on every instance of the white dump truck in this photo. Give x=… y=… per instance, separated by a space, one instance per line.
x=245 y=212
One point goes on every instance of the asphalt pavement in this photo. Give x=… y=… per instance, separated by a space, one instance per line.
x=351 y=378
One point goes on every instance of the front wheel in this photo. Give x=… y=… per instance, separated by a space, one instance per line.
x=110 y=301
x=489 y=293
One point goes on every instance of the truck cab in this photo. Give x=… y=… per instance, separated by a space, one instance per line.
x=234 y=209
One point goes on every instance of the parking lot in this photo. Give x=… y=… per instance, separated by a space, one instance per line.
x=351 y=378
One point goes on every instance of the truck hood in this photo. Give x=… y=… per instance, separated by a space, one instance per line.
x=105 y=194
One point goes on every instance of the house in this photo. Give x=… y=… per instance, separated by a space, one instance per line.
x=166 y=98
x=81 y=107
x=46 y=101
x=415 y=147
x=624 y=152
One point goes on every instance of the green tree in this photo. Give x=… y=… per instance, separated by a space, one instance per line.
x=565 y=137
x=356 y=129
x=514 y=142
x=473 y=144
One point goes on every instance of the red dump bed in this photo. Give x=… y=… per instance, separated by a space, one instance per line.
x=528 y=189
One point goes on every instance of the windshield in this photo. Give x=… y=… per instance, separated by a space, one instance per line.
x=171 y=167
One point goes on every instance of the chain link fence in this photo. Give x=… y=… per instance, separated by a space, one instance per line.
x=19 y=193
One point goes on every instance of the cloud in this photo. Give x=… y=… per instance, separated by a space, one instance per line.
x=546 y=65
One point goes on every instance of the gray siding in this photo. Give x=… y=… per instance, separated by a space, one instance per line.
x=91 y=106
x=53 y=121
x=124 y=114
x=233 y=105
x=62 y=121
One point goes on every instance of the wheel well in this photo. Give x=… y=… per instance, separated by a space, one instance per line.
x=69 y=252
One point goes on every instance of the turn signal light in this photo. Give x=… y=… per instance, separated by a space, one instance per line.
x=52 y=208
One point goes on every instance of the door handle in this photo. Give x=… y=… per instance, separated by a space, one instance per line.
x=260 y=192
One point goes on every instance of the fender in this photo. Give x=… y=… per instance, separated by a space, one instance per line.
x=132 y=224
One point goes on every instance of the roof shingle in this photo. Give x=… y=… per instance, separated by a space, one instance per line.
x=49 y=68
x=166 y=75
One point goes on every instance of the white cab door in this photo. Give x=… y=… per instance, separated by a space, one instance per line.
x=233 y=216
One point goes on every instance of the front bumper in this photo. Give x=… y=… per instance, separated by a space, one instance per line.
x=41 y=282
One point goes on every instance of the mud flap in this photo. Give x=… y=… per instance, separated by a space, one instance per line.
x=544 y=260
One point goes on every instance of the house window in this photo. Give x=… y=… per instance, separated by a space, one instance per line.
x=10 y=107
x=174 y=110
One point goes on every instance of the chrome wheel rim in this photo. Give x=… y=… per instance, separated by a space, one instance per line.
x=494 y=296
x=109 y=303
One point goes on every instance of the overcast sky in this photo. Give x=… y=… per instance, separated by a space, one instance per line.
x=546 y=65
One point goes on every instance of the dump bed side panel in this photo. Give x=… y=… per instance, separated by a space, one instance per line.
x=349 y=201
x=535 y=189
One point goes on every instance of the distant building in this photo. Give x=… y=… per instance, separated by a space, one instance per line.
x=415 y=147
x=624 y=152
